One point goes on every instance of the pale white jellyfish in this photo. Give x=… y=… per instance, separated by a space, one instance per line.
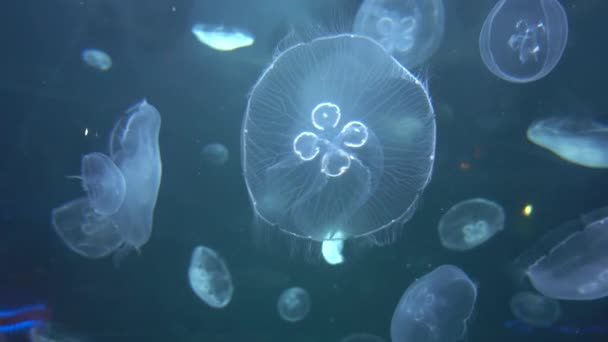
x=210 y=278
x=222 y=38
x=97 y=59
x=332 y=251
x=293 y=304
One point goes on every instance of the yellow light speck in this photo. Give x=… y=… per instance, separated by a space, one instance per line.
x=527 y=210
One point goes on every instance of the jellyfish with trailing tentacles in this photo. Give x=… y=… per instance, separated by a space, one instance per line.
x=338 y=140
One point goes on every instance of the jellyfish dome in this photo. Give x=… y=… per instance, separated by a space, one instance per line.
x=470 y=223
x=338 y=139
x=411 y=30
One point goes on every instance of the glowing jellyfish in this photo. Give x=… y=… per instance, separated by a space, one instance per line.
x=293 y=304
x=332 y=251
x=97 y=59
x=216 y=154
x=338 y=139
x=222 y=38
x=470 y=223
x=435 y=308
x=411 y=30
x=581 y=142
x=135 y=151
x=535 y=309
x=210 y=278
x=362 y=337
x=522 y=40
x=577 y=267
x=103 y=182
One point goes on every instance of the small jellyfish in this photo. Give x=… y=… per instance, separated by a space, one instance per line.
x=362 y=337
x=103 y=182
x=332 y=251
x=577 y=267
x=522 y=40
x=210 y=278
x=435 y=308
x=411 y=30
x=581 y=142
x=337 y=138
x=222 y=38
x=293 y=304
x=215 y=154
x=470 y=223
x=535 y=309
x=97 y=59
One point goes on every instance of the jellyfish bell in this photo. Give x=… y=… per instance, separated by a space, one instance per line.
x=320 y=152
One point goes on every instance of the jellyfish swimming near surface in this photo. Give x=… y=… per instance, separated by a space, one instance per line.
x=210 y=278
x=293 y=304
x=581 y=142
x=535 y=309
x=411 y=30
x=97 y=59
x=134 y=150
x=470 y=223
x=338 y=140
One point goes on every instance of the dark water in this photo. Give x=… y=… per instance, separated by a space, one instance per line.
x=48 y=97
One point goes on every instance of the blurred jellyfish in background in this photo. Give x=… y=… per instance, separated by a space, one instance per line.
x=470 y=223
x=411 y=30
x=222 y=38
x=97 y=59
x=535 y=309
x=293 y=304
x=215 y=154
x=579 y=141
x=522 y=40
x=338 y=139
x=435 y=307
x=210 y=278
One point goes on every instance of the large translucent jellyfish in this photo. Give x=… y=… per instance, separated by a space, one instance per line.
x=103 y=182
x=210 y=278
x=535 y=309
x=215 y=153
x=522 y=40
x=582 y=142
x=435 y=308
x=97 y=59
x=470 y=223
x=222 y=38
x=411 y=30
x=577 y=267
x=293 y=304
x=338 y=140
x=134 y=149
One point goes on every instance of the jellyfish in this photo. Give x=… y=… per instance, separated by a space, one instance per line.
x=97 y=59
x=576 y=268
x=435 y=308
x=411 y=30
x=222 y=38
x=293 y=304
x=523 y=40
x=103 y=182
x=210 y=278
x=215 y=154
x=134 y=150
x=535 y=309
x=362 y=337
x=338 y=139
x=581 y=142
x=470 y=223
x=332 y=251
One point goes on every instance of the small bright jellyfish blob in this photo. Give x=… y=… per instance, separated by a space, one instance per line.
x=97 y=59
x=332 y=251
x=210 y=278
x=215 y=154
x=523 y=40
x=470 y=223
x=534 y=309
x=222 y=38
x=293 y=304
x=411 y=30
x=338 y=139
x=435 y=308
x=582 y=142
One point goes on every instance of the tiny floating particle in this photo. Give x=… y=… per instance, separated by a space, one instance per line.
x=222 y=38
